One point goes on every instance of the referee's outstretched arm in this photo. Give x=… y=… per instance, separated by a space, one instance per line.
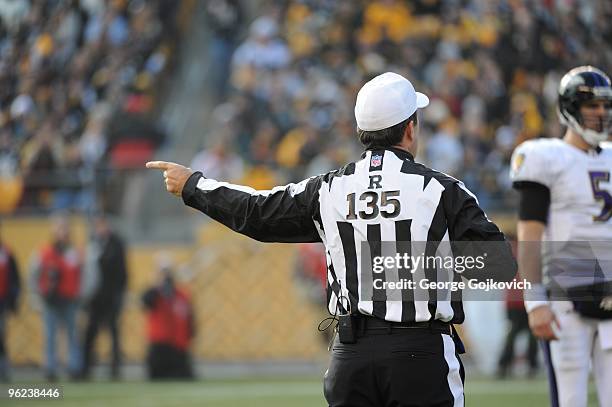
x=283 y=214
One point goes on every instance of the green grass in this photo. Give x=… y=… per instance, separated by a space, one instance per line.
x=269 y=392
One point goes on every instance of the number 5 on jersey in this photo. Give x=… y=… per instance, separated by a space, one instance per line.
x=601 y=194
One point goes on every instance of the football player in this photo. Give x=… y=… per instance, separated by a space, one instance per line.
x=566 y=198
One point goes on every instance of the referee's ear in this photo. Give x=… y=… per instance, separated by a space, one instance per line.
x=409 y=141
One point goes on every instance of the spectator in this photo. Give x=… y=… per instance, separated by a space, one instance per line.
x=487 y=64
x=10 y=287
x=9 y=157
x=385 y=20
x=13 y=13
x=219 y=162
x=445 y=152
x=310 y=270
x=170 y=326
x=42 y=155
x=104 y=308
x=224 y=17
x=517 y=317
x=56 y=280
x=60 y=61
x=263 y=49
x=10 y=180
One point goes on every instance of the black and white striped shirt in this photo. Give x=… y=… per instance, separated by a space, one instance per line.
x=384 y=197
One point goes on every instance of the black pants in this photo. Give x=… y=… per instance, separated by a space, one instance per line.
x=168 y=362
x=401 y=368
x=519 y=322
x=102 y=316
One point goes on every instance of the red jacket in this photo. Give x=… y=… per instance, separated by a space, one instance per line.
x=60 y=274
x=313 y=262
x=170 y=320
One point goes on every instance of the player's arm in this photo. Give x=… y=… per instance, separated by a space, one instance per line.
x=529 y=234
x=534 y=204
x=533 y=174
x=283 y=214
x=473 y=234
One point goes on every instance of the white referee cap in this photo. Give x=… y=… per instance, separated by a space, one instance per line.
x=387 y=100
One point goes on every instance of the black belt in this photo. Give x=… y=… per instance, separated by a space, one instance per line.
x=367 y=322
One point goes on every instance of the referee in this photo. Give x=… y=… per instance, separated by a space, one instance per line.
x=392 y=348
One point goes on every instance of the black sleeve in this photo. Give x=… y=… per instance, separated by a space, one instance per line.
x=466 y=220
x=534 y=200
x=283 y=214
x=473 y=234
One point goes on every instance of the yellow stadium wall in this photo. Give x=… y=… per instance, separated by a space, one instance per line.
x=248 y=306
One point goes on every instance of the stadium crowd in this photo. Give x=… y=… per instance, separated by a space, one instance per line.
x=71 y=71
x=490 y=67
x=66 y=68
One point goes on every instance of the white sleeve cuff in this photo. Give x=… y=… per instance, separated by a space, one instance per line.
x=535 y=297
x=531 y=305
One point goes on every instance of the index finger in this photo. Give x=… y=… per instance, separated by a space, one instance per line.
x=158 y=165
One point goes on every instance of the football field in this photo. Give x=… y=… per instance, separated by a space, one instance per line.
x=269 y=392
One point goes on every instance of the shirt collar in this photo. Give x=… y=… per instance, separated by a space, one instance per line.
x=399 y=152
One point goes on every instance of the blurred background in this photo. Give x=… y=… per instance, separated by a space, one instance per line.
x=259 y=93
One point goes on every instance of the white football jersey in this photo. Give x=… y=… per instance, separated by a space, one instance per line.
x=579 y=184
x=580 y=192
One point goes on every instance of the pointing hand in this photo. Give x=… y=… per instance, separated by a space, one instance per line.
x=175 y=175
